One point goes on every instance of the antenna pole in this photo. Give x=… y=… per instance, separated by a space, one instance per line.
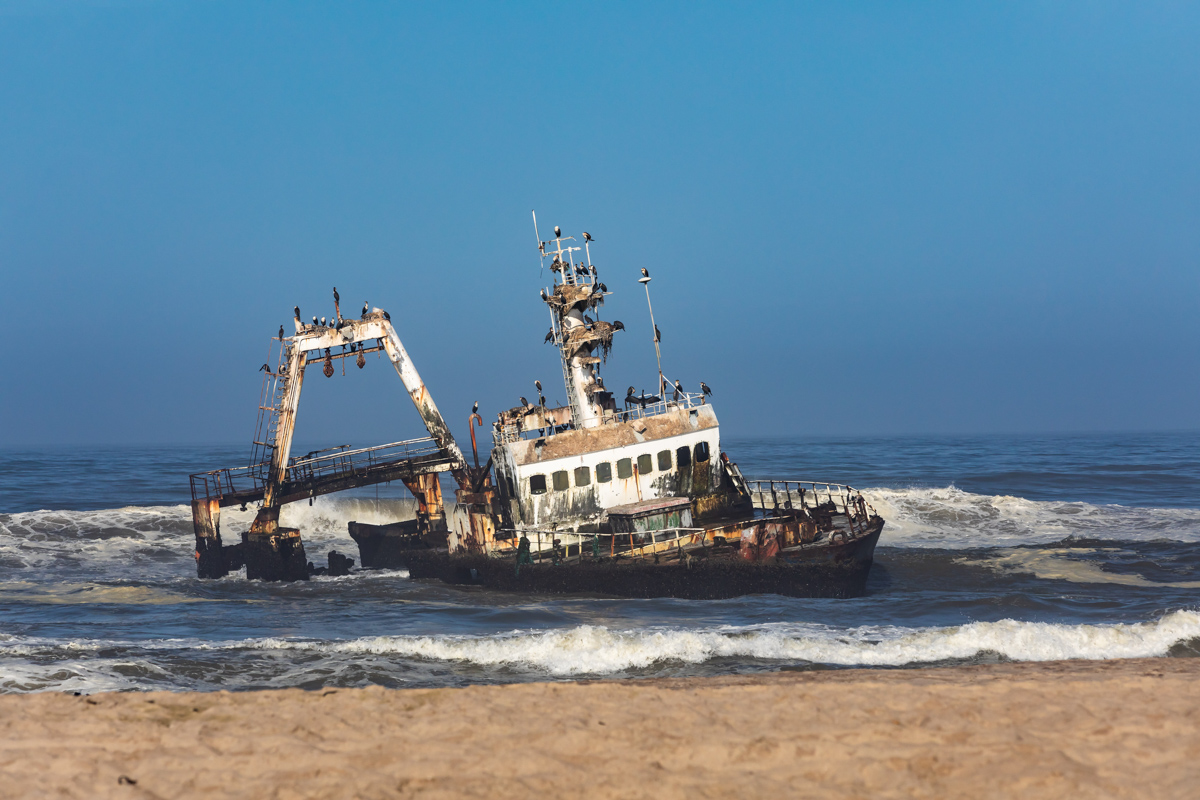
x=654 y=332
x=541 y=250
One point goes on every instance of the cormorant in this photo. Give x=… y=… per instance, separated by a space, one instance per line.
x=365 y=308
x=322 y=322
x=557 y=232
x=556 y=265
x=549 y=336
x=281 y=332
x=645 y=272
x=581 y=269
x=542 y=400
x=297 y=310
x=587 y=237
x=475 y=408
x=618 y=325
x=545 y=297
x=588 y=320
x=265 y=368
x=538 y=384
x=314 y=320
x=704 y=388
x=603 y=288
x=387 y=316
x=336 y=297
x=524 y=402
x=657 y=334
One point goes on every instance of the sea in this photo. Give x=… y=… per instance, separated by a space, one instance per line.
x=996 y=548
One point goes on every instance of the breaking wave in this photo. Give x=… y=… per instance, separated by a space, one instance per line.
x=578 y=651
x=949 y=517
x=597 y=650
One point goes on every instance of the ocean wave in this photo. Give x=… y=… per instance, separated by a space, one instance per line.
x=589 y=649
x=949 y=517
x=581 y=651
x=156 y=541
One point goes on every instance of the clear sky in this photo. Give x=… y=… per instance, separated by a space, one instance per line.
x=860 y=217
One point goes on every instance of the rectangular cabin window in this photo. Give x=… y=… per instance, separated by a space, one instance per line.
x=701 y=452
x=561 y=482
x=537 y=484
x=583 y=476
x=683 y=457
x=624 y=468
x=603 y=472
x=664 y=460
x=645 y=465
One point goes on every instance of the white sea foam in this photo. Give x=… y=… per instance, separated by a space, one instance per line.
x=32 y=664
x=591 y=649
x=950 y=517
x=156 y=541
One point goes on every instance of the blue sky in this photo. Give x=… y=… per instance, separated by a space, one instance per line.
x=861 y=218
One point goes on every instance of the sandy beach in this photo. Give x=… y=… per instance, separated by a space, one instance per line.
x=1056 y=729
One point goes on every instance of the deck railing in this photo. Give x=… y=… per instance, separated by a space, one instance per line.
x=778 y=496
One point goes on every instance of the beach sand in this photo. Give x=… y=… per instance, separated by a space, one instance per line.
x=1053 y=729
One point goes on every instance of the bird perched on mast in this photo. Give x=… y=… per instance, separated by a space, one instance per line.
x=657 y=334
x=704 y=388
x=366 y=308
x=557 y=232
x=297 y=310
x=475 y=408
x=538 y=384
x=264 y=368
x=336 y=298
x=549 y=336
x=587 y=237
x=645 y=272
x=281 y=331
x=524 y=402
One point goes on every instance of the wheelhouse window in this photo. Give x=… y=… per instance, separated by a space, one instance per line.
x=645 y=464
x=683 y=457
x=664 y=460
x=625 y=468
x=701 y=452
x=537 y=484
x=603 y=472
x=561 y=482
x=583 y=476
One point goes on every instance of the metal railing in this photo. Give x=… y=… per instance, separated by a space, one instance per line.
x=607 y=545
x=345 y=462
x=775 y=496
x=220 y=483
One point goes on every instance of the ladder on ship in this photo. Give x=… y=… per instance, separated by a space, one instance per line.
x=270 y=402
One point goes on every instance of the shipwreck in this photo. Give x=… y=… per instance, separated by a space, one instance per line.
x=629 y=496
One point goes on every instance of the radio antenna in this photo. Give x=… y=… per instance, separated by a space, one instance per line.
x=541 y=248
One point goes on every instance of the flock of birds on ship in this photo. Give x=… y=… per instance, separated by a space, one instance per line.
x=632 y=397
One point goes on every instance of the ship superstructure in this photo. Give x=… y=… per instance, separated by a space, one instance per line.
x=563 y=468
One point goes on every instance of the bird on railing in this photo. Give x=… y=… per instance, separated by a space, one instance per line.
x=549 y=337
x=557 y=232
x=281 y=333
x=678 y=391
x=704 y=388
x=265 y=368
